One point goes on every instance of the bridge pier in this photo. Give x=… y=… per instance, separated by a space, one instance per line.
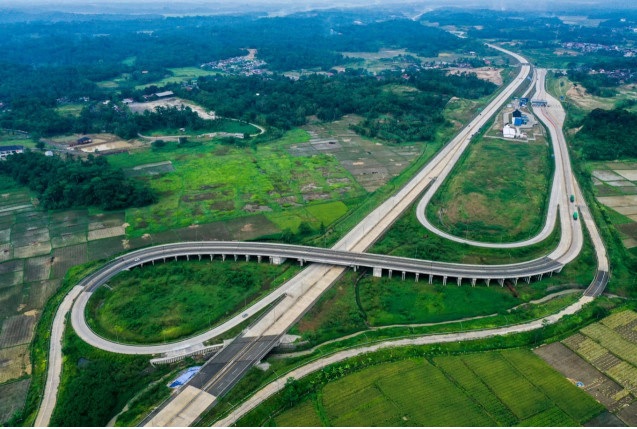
x=501 y=281
x=444 y=280
x=153 y=261
x=527 y=279
x=175 y=257
x=259 y=259
x=559 y=270
x=377 y=272
x=417 y=275
x=390 y=271
x=223 y=257
x=199 y=256
x=539 y=277
x=515 y=282
x=459 y=281
x=487 y=281
x=473 y=282
x=431 y=278
x=211 y=257
x=354 y=267
x=235 y=258
x=403 y=275
x=187 y=257
x=247 y=258
x=301 y=262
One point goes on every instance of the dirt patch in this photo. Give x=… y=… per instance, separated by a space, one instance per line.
x=629 y=415
x=199 y=197
x=622 y=201
x=628 y=174
x=577 y=370
x=253 y=208
x=115 y=231
x=485 y=73
x=583 y=99
x=172 y=102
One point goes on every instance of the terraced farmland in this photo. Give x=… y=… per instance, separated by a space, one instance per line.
x=499 y=388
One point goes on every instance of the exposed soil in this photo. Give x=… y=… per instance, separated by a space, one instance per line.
x=485 y=73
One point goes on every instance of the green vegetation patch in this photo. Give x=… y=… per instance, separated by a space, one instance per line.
x=213 y=182
x=96 y=384
x=497 y=192
x=169 y=301
x=499 y=388
x=388 y=301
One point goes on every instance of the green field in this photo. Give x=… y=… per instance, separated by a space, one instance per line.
x=165 y=302
x=213 y=182
x=217 y=126
x=499 y=388
x=497 y=192
x=179 y=75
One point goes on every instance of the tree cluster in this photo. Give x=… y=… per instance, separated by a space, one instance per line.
x=608 y=135
x=64 y=183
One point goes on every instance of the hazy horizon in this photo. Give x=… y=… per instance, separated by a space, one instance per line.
x=286 y=6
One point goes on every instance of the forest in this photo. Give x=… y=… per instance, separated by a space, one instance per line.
x=608 y=135
x=279 y=102
x=71 y=182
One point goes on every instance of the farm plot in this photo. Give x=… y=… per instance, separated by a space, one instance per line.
x=40 y=292
x=601 y=387
x=616 y=188
x=36 y=269
x=604 y=346
x=13 y=396
x=17 y=330
x=504 y=388
x=612 y=341
x=14 y=362
x=6 y=252
x=506 y=384
x=67 y=257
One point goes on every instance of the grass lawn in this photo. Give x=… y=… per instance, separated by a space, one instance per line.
x=499 y=388
x=169 y=301
x=498 y=191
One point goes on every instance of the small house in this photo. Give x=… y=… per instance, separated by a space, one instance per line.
x=10 y=150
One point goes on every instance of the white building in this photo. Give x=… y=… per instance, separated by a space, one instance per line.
x=509 y=132
x=10 y=150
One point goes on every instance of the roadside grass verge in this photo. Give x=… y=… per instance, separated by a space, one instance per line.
x=177 y=299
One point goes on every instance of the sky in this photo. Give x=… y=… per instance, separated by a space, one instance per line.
x=165 y=6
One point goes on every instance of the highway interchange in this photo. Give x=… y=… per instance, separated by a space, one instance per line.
x=289 y=302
